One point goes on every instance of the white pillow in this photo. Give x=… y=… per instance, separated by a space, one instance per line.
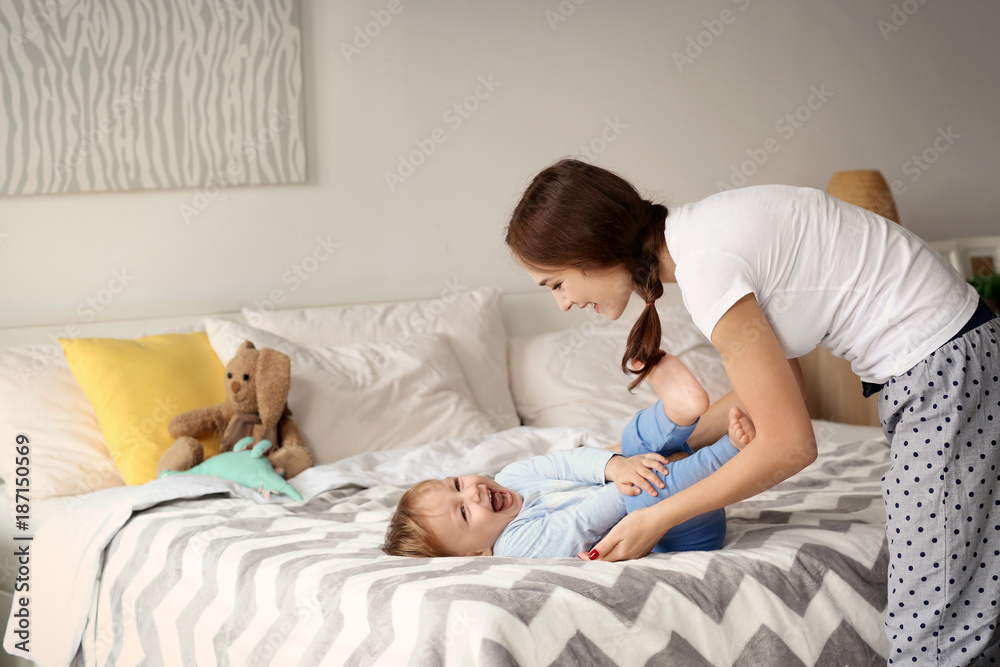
x=471 y=321
x=365 y=397
x=574 y=377
x=40 y=398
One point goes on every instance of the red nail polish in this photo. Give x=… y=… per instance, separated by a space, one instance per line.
x=593 y=554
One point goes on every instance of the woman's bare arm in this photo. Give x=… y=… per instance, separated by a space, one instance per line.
x=784 y=443
x=715 y=422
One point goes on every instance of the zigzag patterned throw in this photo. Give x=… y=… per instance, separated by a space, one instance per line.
x=801 y=581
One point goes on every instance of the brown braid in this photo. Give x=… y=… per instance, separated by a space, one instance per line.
x=644 y=338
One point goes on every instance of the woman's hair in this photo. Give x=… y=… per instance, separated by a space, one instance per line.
x=405 y=536
x=576 y=215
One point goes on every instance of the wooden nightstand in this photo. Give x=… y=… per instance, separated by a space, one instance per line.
x=833 y=391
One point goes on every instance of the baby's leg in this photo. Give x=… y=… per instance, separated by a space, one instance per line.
x=705 y=531
x=664 y=427
x=651 y=431
x=685 y=472
x=741 y=428
x=684 y=399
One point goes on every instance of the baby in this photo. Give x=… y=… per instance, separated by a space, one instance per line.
x=561 y=504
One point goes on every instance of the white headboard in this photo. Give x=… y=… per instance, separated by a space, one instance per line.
x=524 y=314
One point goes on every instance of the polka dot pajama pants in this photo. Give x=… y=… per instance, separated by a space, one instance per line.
x=942 y=495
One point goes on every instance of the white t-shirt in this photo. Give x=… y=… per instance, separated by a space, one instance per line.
x=824 y=272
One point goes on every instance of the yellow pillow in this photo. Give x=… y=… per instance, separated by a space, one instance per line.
x=138 y=385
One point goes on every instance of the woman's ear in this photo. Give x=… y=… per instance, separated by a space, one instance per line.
x=274 y=375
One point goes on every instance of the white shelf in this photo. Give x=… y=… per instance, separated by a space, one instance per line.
x=961 y=251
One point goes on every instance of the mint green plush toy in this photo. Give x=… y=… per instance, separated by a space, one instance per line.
x=247 y=467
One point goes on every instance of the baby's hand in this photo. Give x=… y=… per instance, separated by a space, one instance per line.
x=633 y=475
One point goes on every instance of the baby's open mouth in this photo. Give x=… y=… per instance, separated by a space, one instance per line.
x=500 y=500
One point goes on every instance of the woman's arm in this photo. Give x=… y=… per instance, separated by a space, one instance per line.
x=785 y=444
x=715 y=422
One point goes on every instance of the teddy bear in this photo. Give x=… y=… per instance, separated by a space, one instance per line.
x=257 y=383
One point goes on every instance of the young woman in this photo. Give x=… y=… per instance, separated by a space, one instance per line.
x=768 y=273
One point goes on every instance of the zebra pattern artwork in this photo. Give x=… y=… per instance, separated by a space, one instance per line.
x=135 y=94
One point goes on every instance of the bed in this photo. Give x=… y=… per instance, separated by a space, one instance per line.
x=200 y=571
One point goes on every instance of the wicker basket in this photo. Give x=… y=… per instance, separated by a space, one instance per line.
x=865 y=188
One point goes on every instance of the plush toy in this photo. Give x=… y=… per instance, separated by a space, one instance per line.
x=257 y=383
x=244 y=466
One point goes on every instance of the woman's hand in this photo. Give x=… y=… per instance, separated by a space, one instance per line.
x=634 y=474
x=632 y=537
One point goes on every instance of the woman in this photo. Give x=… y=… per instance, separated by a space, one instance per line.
x=768 y=273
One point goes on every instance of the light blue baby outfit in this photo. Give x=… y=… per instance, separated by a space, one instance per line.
x=568 y=507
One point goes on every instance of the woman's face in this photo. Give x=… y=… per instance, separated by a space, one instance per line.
x=607 y=289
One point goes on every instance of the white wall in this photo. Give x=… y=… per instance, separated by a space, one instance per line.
x=683 y=130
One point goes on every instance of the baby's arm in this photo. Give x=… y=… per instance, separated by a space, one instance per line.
x=634 y=474
x=588 y=464
x=563 y=532
x=688 y=471
x=581 y=464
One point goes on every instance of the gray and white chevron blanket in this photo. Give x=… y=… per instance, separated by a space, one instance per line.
x=198 y=571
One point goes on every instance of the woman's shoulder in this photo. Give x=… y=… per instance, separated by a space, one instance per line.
x=739 y=216
x=758 y=197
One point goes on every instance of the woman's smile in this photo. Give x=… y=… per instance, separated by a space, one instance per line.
x=571 y=286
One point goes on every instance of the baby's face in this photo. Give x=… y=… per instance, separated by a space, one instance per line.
x=467 y=514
